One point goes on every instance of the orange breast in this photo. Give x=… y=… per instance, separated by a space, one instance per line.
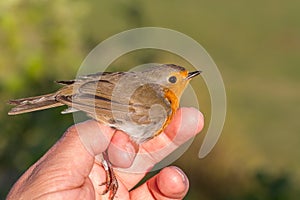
x=174 y=101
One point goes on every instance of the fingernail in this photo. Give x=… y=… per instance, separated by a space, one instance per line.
x=182 y=175
x=121 y=157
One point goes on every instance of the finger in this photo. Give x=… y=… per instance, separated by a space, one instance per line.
x=121 y=150
x=95 y=137
x=169 y=183
x=79 y=145
x=186 y=123
x=69 y=161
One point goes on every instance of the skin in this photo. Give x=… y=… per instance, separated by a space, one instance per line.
x=71 y=170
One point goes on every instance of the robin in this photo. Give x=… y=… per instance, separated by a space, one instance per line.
x=140 y=103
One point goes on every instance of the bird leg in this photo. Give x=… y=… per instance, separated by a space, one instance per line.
x=111 y=182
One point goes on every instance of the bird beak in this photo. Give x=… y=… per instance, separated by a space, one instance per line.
x=193 y=74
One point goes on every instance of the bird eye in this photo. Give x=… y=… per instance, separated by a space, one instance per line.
x=172 y=79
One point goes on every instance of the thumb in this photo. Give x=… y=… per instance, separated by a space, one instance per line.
x=68 y=162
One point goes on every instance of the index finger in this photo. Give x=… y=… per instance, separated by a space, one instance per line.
x=186 y=123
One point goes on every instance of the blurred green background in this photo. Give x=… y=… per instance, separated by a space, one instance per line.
x=256 y=45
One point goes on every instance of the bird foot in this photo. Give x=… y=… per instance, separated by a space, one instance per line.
x=111 y=182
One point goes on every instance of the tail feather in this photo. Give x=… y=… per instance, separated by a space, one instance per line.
x=31 y=104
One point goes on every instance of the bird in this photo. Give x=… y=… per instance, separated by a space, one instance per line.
x=139 y=103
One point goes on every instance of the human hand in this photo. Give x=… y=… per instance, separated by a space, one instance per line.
x=71 y=170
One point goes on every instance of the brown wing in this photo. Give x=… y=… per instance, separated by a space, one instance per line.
x=114 y=100
x=92 y=95
x=146 y=103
